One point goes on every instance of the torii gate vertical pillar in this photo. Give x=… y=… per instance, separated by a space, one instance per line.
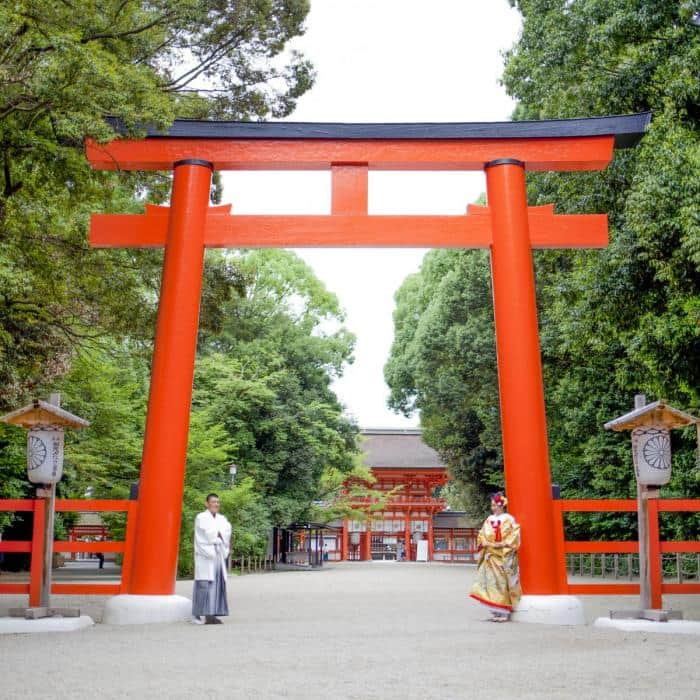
x=151 y=590
x=168 y=418
x=523 y=418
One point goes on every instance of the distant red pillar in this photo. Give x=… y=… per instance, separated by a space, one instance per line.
x=368 y=543
x=167 y=424
x=344 y=541
x=407 y=535
x=523 y=420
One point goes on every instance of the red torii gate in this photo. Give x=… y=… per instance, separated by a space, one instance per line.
x=193 y=149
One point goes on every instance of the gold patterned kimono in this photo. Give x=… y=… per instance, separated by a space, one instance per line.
x=497 y=582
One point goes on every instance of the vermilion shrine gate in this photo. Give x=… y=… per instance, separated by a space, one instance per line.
x=508 y=227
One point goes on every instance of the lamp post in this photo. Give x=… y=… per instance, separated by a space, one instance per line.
x=650 y=425
x=232 y=469
x=45 y=422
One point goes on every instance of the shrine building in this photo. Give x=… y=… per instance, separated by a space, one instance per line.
x=415 y=524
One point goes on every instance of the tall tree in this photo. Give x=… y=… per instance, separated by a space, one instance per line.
x=625 y=319
x=266 y=377
x=81 y=320
x=63 y=67
x=271 y=345
x=442 y=363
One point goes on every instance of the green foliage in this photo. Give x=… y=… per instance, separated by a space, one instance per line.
x=266 y=378
x=261 y=399
x=614 y=322
x=81 y=321
x=13 y=467
x=442 y=363
x=108 y=387
x=63 y=67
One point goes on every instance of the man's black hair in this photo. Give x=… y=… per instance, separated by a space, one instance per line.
x=212 y=495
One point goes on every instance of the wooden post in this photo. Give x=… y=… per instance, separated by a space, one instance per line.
x=430 y=537
x=558 y=519
x=127 y=557
x=47 y=569
x=407 y=535
x=344 y=542
x=49 y=526
x=37 y=556
x=642 y=526
x=642 y=519
x=656 y=573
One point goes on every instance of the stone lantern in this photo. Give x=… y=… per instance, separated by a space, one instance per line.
x=45 y=422
x=650 y=425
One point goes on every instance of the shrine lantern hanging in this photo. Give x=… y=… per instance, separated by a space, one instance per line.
x=651 y=427
x=45 y=423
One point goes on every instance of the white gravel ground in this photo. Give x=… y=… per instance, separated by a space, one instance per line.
x=353 y=630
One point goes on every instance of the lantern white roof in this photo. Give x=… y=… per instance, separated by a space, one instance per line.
x=658 y=414
x=40 y=413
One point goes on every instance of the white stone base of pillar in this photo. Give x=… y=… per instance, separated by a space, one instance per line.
x=549 y=610
x=146 y=609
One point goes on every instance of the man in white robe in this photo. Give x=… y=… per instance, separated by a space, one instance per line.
x=212 y=534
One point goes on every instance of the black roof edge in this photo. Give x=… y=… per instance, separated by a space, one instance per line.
x=627 y=129
x=309 y=526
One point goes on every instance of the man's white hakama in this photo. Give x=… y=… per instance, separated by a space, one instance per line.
x=212 y=534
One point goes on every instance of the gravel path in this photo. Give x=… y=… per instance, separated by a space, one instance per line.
x=353 y=630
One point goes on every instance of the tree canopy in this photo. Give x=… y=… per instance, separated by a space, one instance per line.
x=81 y=321
x=614 y=322
x=262 y=400
x=63 y=67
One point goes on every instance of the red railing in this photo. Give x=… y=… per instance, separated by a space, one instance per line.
x=656 y=547
x=35 y=547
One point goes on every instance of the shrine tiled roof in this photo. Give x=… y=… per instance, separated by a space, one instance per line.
x=398 y=449
x=89 y=519
x=454 y=519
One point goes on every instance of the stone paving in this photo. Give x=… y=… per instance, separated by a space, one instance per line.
x=360 y=631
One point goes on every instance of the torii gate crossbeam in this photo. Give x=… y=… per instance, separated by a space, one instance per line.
x=507 y=227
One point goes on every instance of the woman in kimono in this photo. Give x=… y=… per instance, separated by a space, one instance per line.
x=497 y=584
x=212 y=534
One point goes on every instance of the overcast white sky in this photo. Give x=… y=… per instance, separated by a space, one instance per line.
x=386 y=61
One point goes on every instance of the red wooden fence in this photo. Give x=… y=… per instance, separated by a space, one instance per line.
x=656 y=547
x=36 y=545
